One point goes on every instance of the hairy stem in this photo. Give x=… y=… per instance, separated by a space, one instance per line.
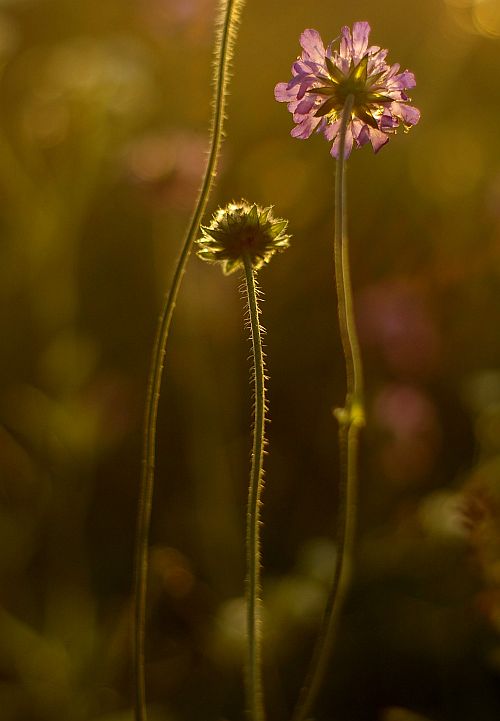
x=229 y=15
x=351 y=419
x=253 y=586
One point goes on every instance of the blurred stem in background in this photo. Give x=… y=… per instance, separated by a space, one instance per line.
x=229 y=14
x=350 y=419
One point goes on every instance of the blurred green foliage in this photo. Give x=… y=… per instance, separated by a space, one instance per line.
x=103 y=134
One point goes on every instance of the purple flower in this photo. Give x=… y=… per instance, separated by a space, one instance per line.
x=324 y=78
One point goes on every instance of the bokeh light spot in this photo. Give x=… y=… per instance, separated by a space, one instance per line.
x=486 y=17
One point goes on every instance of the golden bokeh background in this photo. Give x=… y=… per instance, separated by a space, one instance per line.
x=103 y=140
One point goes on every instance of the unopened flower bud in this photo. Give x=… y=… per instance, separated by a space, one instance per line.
x=242 y=230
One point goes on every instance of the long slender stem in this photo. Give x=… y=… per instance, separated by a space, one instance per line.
x=229 y=15
x=253 y=589
x=351 y=419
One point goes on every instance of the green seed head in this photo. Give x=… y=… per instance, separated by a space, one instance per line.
x=242 y=230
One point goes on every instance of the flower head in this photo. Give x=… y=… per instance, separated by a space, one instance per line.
x=242 y=230
x=323 y=78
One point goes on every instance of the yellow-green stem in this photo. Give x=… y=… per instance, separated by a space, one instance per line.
x=229 y=15
x=253 y=670
x=350 y=419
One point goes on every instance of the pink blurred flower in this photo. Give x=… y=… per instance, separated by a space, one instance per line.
x=394 y=318
x=167 y=166
x=167 y=17
x=412 y=433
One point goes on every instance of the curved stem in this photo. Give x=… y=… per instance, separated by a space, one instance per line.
x=351 y=419
x=253 y=586
x=229 y=15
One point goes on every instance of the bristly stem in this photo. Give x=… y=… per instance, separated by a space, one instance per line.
x=350 y=419
x=253 y=669
x=229 y=11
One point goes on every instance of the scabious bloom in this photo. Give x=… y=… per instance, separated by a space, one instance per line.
x=323 y=79
x=242 y=230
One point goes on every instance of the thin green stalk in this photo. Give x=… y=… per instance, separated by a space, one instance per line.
x=229 y=16
x=351 y=419
x=253 y=586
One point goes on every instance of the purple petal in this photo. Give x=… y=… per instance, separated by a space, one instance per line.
x=331 y=130
x=388 y=121
x=296 y=80
x=340 y=62
x=346 y=43
x=284 y=94
x=410 y=115
x=322 y=124
x=302 y=90
x=401 y=81
x=364 y=135
x=407 y=79
x=359 y=131
x=348 y=144
x=304 y=129
x=376 y=62
x=378 y=139
x=312 y=45
x=304 y=67
x=393 y=70
x=360 y=33
x=304 y=81
x=315 y=68
x=305 y=105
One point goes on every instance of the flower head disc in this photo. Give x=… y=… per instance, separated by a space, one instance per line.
x=324 y=78
x=242 y=230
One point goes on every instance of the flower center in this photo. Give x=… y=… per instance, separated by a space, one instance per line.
x=368 y=101
x=350 y=86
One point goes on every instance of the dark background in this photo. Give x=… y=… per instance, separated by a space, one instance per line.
x=103 y=139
